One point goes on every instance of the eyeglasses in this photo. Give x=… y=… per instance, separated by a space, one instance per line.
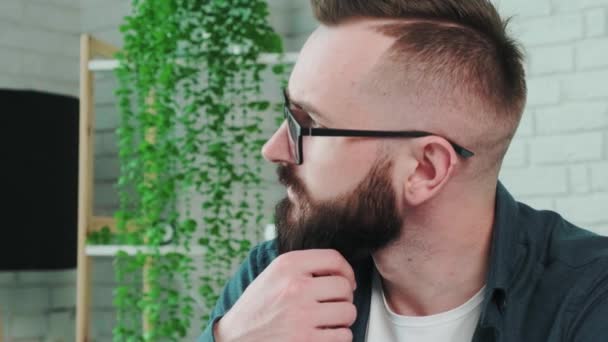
x=296 y=132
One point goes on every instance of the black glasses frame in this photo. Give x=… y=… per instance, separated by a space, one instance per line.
x=296 y=132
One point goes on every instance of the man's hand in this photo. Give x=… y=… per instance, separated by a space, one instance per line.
x=301 y=296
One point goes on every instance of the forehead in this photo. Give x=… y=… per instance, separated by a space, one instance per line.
x=332 y=65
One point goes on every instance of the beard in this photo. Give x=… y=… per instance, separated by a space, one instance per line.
x=356 y=224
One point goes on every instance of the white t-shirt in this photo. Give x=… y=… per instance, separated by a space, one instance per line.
x=456 y=325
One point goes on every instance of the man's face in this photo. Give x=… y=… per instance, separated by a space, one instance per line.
x=342 y=196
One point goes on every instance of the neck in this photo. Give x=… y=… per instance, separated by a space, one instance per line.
x=441 y=260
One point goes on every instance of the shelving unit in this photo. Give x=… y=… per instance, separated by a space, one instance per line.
x=96 y=55
x=89 y=48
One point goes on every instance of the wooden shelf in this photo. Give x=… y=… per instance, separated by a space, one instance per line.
x=113 y=250
x=96 y=55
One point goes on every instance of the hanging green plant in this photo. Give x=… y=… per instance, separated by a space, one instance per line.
x=189 y=140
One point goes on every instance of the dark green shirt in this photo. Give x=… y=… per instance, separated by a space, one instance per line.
x=547 y=280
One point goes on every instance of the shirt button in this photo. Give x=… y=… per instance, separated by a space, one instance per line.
x=501 y=301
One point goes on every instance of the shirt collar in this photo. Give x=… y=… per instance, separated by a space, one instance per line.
x=506 y=254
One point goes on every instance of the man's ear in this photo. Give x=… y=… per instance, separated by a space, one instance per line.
x=435 y=159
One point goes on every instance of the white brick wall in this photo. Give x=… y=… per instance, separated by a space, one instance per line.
x=524 y=8
x=591 y=53
x=567 y=149
x=596 y=22
x=39 y=45
x=38 y=50
x=544 y=90
x=558 y=159
x=592 y=213
x=578 y=5
x=102 y=18
x=599 y=180
x=551 y=59
x=39 y=306
x=572 y=117
x=585 y=85
x=564 y=28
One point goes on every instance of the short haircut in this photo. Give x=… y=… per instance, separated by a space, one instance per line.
x=462 y=43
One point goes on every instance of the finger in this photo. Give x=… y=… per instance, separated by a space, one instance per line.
x=335 y=315
x=334 y=335
x=331 y=289
x=320 y=262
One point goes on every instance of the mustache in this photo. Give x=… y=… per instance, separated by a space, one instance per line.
x=287 y=177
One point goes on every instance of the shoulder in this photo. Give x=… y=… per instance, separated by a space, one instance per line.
x=258 y=259
x=574 y=259
x=262 y=255
x=572 y=265
x=556 y=240
x=256 y=262
x=570 y=254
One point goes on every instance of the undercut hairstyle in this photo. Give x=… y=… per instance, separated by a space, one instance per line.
x=461 y=44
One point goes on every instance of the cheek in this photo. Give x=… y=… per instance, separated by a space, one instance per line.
x=335 y=166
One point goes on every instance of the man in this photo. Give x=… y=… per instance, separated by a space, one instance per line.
x=395 y=227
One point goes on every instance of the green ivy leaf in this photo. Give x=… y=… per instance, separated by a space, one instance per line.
x=186 y=127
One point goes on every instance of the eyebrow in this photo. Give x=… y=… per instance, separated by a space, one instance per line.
x=307 y=107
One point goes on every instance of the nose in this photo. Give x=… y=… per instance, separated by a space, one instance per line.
x=276 y=149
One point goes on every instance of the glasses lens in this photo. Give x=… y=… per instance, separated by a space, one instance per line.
x=293 y=135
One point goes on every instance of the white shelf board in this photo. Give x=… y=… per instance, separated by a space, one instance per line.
x=113 y=250
x=267 y=58
x=103 y=64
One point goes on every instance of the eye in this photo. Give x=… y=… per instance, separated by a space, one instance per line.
x=303 y=118
x=310 y=122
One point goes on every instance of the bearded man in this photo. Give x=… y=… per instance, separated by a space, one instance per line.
x=395 y=227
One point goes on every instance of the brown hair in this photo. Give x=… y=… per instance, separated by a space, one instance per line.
x=463 y=43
